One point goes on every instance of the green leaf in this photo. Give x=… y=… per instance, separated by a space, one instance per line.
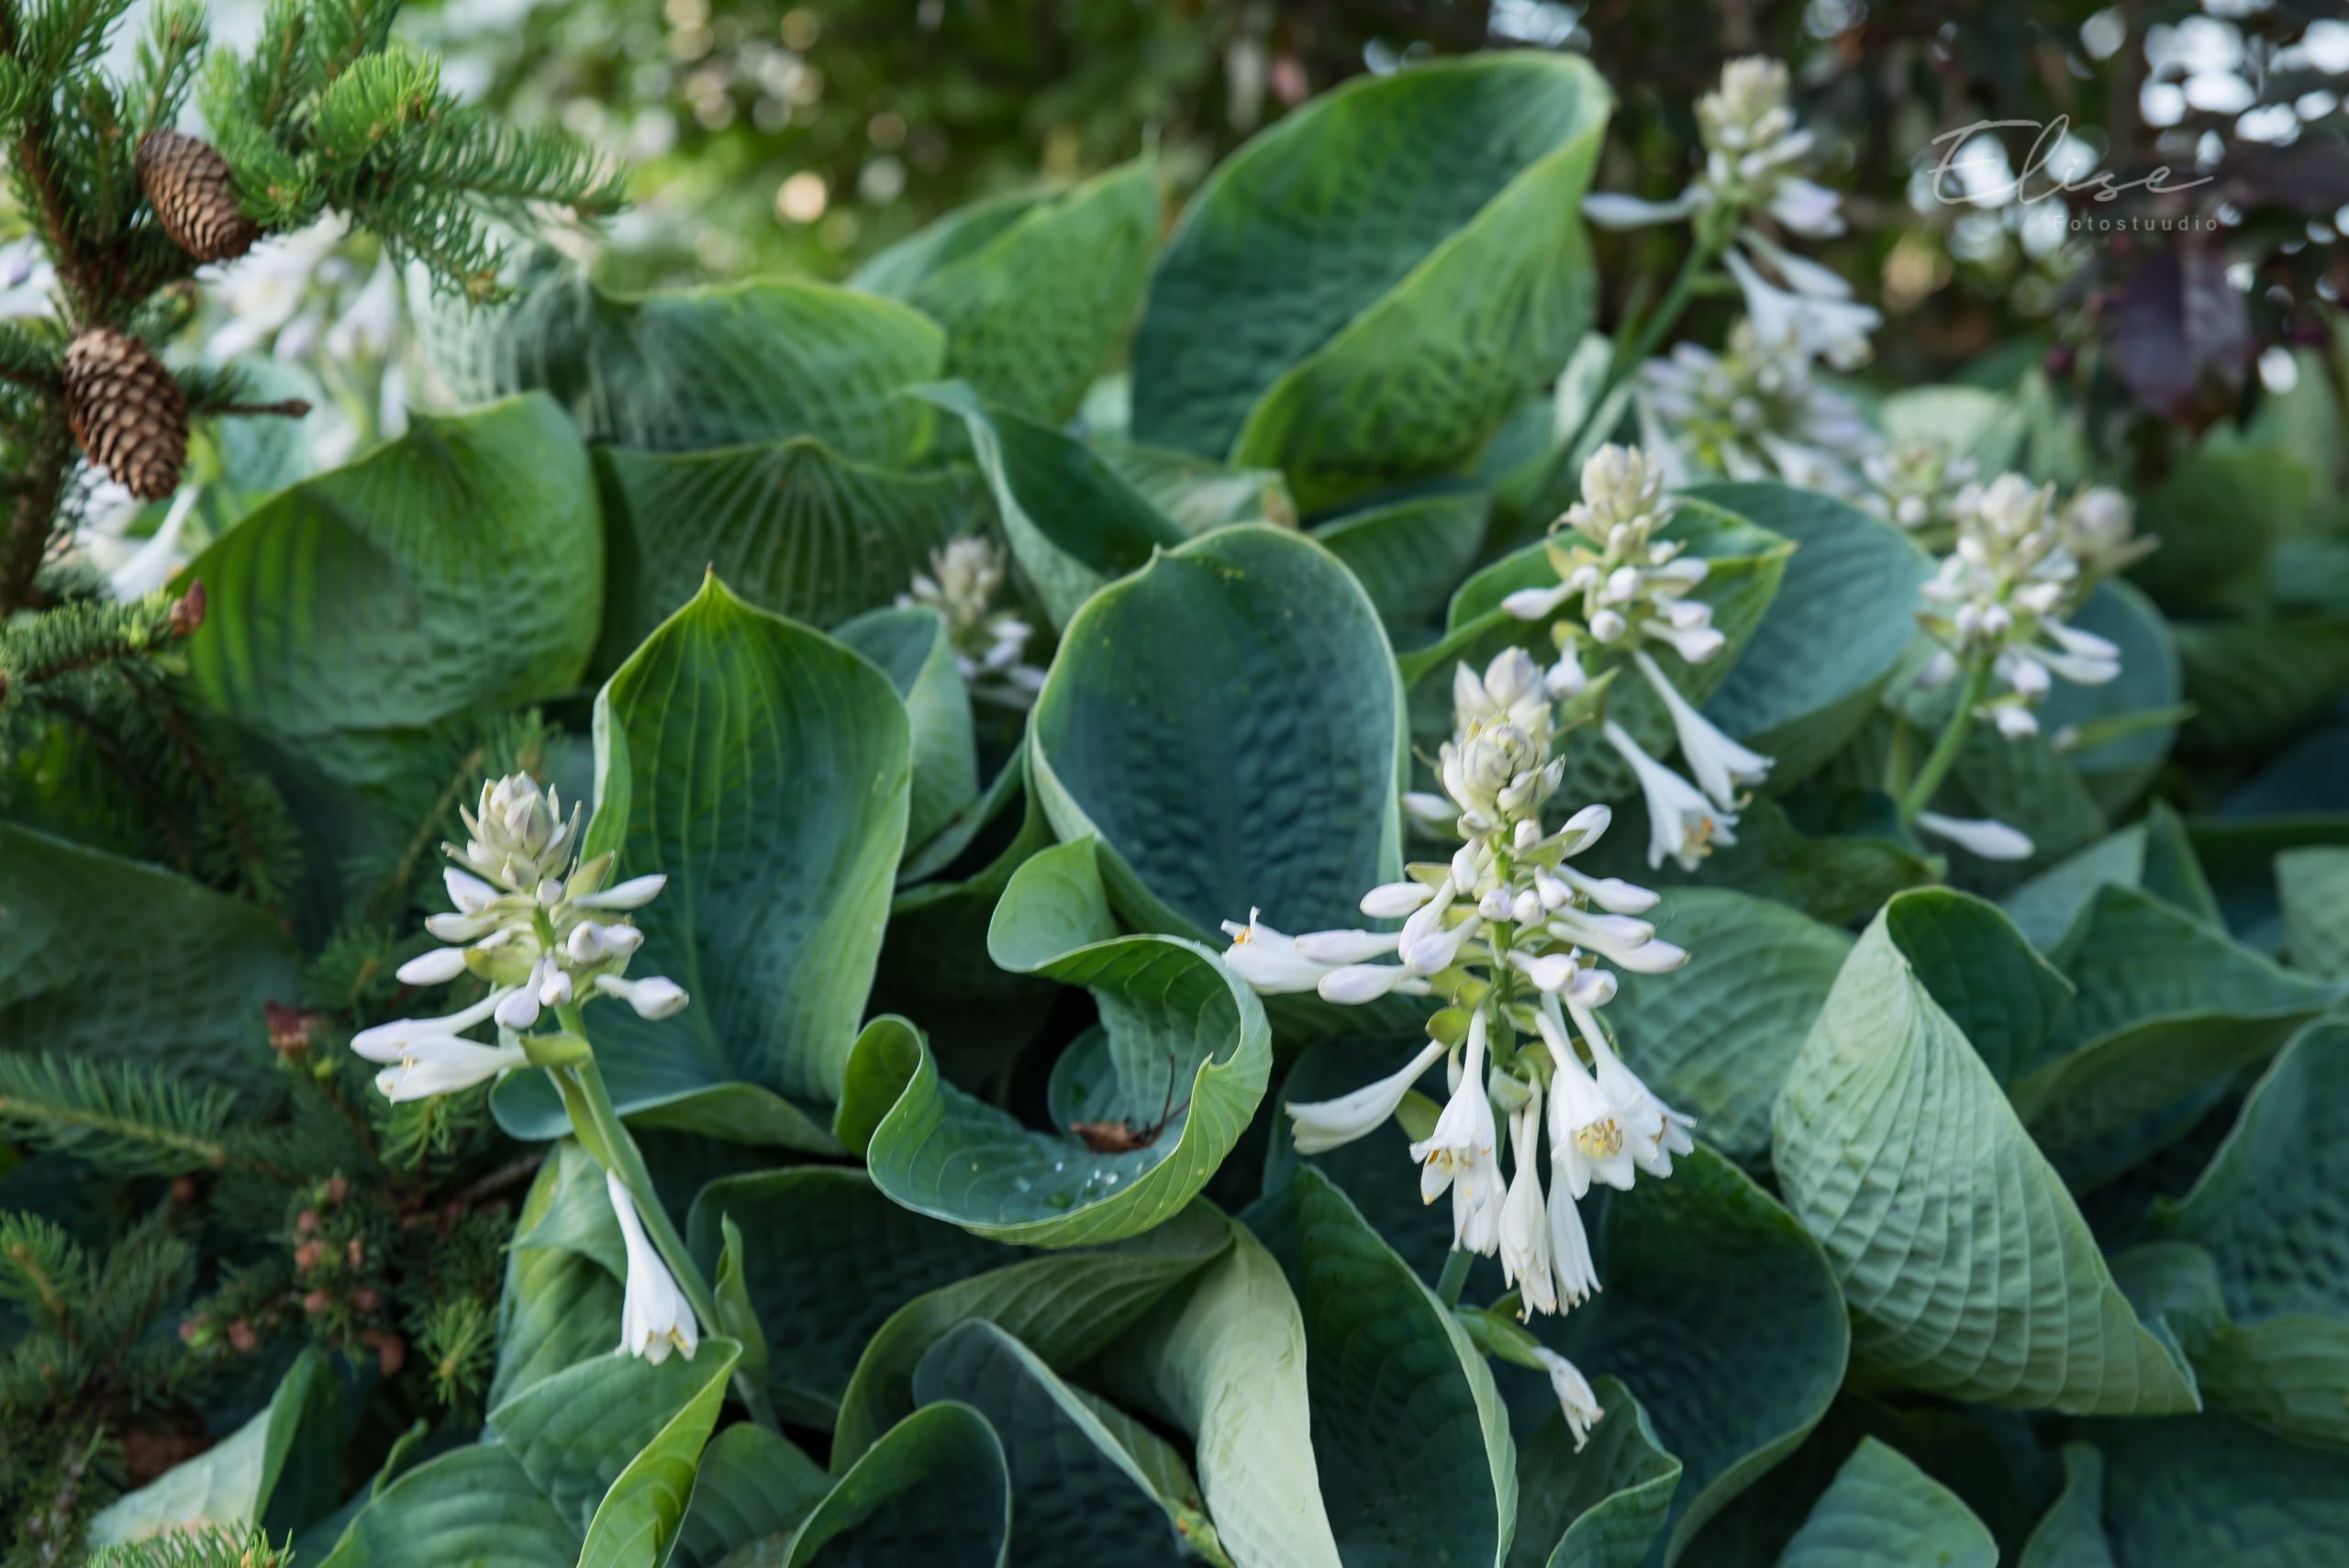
x=1407 y=554
x=2216 y=517
x=688 y=370
x=2255 y=683
x=876 y=1258
x=2314 y=885
x=1434 y=275
x=2156 y=854
x=1065 y=1306
x=765 y=768
x=1881 y=1511
x=1223 y=1359
x=1228 y=721
x=1183 y=1047
x=475 y=1505
x=1198 y=494
x=753 y=1484
x=1598 y=1507
x=1079 y=1489
x=1838 y=862
x=932 y=1490
x=564 y=1275
x=636 y=1523
x=1410 y=1438
x=1071 y=521
x=2192 y=1493
x=2071 y=1535
x=1034 y=304
x=75 y=923
x=914 y=649
x=2287 y=1371
x=456 y=570
x=2004 y=998
x=1895 y=1146
x=793 y=526
x=1715 y=1037
x=1849 y=587
x=279 y=1470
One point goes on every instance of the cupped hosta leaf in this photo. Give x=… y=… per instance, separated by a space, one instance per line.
x=2071 y=1534
x=475 y=1505
x=1065 y=1306
x=1072 y=522
x=1845 y=611
x=2187 y=1493
x=1967 y=1269
x=1881 y=1511
x=1409 y=1435
x=1434 y=275
x=279 y=1470
x=2287 y=1371
x=1034 y=302
x=1228 y=722
x=1597 y=1507
x=793 y=527
x=2149 y=683
x=1407 y=554
x=2167 y=1008
x=829 y=1260
x=2002 y=995
x=76 y=925
x=765 y=769
x=2313 y=884
x=457 y=569
x=1701 y=1271
x=1715 y=1037
x=691 y=369
x=753 y=1484
x=1080 y=1492
x=1223 y=1359
x=933 y=1490
x=914 y=649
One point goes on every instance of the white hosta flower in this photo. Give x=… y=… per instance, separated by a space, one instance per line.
x=1570 y=1262
x=1916 y=484
x=442 y=1064
x=990 y=645
x=1755 y=411
x=1525 y=1220
x=1991 y=840
x=1268 y=959
x=1458 y=1154
x=1807 y=325
x=1574 y=1394
x=1586 y=1137
x=1319 y=1126
x=655 y=1318
x=1720 y=764
x=1653 y=1131
x=655 y=996
x=389 y=1042
x=1682 y=824
x=1615 y=210
x=435 y=968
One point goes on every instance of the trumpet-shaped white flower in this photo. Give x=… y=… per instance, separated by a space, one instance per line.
x=1574 y=1394
x=1682 y=824
x=442 y=1064
x=1319 y=1126
x=1525 y=1219
x=1720 y=764
x=389 y=1042
x=1755 y=410
x=1576 y=1276
x=1916 y=484
x=1586 y=1136
x=1807 y=324
x=1461 y=1144
x=655 y=1318
x=1269 y=960
x=1991 y=840
x=1653 y=1131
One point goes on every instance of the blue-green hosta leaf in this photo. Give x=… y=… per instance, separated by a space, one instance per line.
x=2071 y=1533
x=1701 y=1271
x=2239 y=859
x=2150 y=682
x=1065 y=1306
x=1080 y=1490
x=827 y=1260
x=2167 y=1008
x=1881 y=1511
x=933 y=1490
x=102 y=957
x=753 y=1484
x=1715 y=1037
x=278 y=1470
x=1409 y=1434
x=2157 y=855
x=914 y=649
x=2254 y=683
x=2187 y=1493
x=1072 y=522
x=1601 y=1506
x=1223 y=1359
x=793 y=527
x=1183 y=1048
x=1034 y=302
x=1434 y=275
x=2313 y=884
x=1968 y=1271
x=688 y=370
x=765 y=768
x=2287 y=1371
x=2027 y=784
x=2216 y=517
x=1843 y=613
x=456 y=570
x=475 y=1505
x=1228 y=721
x=1407 y=554
x=2004 y=997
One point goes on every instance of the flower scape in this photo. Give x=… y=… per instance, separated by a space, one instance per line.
x=1436 y=847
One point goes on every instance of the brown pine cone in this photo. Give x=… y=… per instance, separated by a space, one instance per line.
x=193 y=193
x=126 y=411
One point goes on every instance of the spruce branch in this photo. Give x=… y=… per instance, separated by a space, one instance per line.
x=126 y=1120
x=212 y=1546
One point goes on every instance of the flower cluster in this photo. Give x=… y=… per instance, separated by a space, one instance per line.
x=1755 y=410
x=1625 y=588
x=543 y=933
x=1514 y=940
x=964 y=578
x=1918 y=484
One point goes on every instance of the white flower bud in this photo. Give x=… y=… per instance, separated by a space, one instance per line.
x=435 y=968
x=519 y=1009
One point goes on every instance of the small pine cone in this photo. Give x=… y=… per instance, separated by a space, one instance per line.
x=193 y=193
x=126 y=411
